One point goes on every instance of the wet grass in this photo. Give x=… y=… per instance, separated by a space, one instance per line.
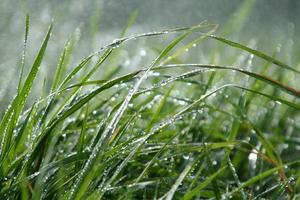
x=168 y=129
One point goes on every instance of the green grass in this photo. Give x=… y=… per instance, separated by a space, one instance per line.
x=169 y=129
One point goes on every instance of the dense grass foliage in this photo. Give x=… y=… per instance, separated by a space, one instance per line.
x=171 y=128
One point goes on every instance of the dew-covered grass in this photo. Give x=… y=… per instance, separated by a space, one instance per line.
x=182 y=113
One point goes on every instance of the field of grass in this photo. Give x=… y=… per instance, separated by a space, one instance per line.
x=182 y=113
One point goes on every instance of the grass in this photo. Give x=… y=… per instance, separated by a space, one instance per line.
x=170 y=129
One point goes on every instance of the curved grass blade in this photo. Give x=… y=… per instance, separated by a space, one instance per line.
x=190 y=147
x=276 y=99
x=263 y=78
x=255 y=52
x=188 y=46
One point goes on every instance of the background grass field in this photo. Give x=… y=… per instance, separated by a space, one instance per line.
x=185 y=112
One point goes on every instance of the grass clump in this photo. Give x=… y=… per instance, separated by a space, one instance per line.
x=170 y=129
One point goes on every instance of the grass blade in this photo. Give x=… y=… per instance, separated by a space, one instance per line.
x=19 y=101
x=255 y=52
x=204 y=184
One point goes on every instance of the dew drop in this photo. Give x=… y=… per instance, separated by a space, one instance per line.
x=214 y=162
x=186 y=157
x=143 y=52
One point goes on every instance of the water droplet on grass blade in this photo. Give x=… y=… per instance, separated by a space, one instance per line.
x=257 y=188
x=143 y=52
x=127 y=62
x=271 y=104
